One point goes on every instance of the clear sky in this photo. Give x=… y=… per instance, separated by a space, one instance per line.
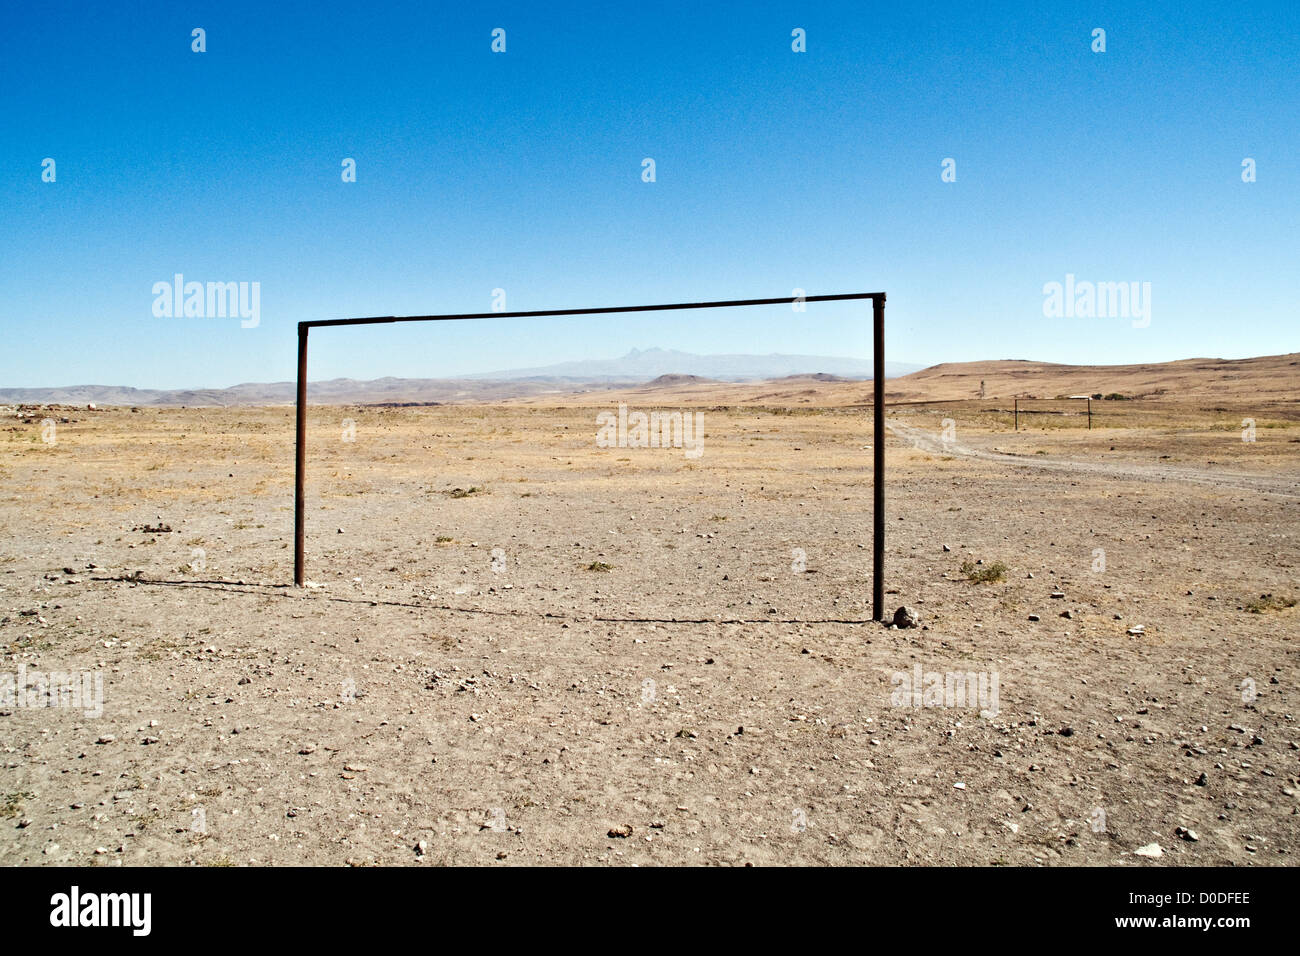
x=522 y=171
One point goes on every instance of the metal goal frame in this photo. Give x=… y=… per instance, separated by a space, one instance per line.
x=878 y=384
x=1016 y=410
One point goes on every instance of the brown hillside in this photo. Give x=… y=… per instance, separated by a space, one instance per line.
x=1271 y=378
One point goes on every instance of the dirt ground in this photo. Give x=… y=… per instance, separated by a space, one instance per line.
x=521 y=648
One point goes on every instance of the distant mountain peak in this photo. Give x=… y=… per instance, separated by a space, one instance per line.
x=678 y=379
x=644 y=364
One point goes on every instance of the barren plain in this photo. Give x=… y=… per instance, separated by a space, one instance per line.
x=522 y=648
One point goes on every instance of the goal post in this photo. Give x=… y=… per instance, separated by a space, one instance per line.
x=878 y=389
x=1067 y=405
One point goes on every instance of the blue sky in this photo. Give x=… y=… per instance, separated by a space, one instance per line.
x=522 y=170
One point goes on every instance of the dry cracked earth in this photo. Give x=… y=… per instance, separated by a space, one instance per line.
x=521 y=648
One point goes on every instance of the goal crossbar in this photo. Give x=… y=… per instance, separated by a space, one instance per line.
x=878 y=384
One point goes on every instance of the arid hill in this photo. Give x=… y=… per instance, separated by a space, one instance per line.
x=1268 y=376
x=1269 y=379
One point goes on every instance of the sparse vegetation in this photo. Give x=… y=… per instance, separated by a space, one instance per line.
x=156 y=650
x=28 y=643
x=1268 y=602
x=12 y=804
x=598 y=566
x=465 y=492
x=983 y=573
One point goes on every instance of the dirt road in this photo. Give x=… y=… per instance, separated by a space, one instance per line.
x=1288 y=486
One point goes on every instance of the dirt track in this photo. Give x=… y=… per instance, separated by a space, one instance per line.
x=1288 y=486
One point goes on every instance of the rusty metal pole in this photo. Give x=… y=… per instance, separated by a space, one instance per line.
x=299 y=499
x=878 y=443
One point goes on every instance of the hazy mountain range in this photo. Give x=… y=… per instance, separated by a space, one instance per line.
x=636 y=367
x=644 y=364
